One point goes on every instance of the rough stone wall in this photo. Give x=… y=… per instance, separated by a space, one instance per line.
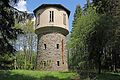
x=47 y=58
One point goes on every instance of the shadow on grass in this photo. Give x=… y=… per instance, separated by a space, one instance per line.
x=52 y=78
x=7 y=75
x=108 y=76
x=92 y=75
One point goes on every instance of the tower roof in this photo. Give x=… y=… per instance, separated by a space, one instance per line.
x=52 y=5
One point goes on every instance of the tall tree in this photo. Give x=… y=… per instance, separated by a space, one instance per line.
x=77 y=14
x=28 y=43
x=77 y=44
x=111 y=9
x=8 y=32
x=98 y=38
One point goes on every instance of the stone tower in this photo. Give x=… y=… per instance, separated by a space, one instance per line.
x=51 y=28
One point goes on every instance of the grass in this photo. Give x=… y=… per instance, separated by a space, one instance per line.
x=93 y=75
x=34 y=75
x=47 y=75
x=108 y=76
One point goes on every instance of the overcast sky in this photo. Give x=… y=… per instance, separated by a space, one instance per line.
x=30 y=5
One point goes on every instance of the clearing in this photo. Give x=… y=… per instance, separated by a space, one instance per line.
x=47 y=75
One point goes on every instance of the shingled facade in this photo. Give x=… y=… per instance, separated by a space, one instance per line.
x=52 y=28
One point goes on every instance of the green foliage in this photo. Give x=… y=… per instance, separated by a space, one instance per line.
x=78 y=12
x=26 y=46
x=20 y=60
x=77 y=41
x=108 y=32
x=7 y=31
x=94 y=33
x=106 y=6
x=6 y=61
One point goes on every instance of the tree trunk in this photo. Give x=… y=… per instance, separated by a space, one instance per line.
x=25 y=52
x=31 y=43
x=15 y=62
x=99 y=63
x=114 y=66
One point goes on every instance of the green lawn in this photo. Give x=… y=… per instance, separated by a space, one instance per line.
x=47 y=75
x=34 y=75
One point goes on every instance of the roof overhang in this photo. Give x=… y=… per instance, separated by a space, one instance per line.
x=48 y=29
x=52 y=5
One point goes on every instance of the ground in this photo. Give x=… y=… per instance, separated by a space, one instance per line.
x=47 y=75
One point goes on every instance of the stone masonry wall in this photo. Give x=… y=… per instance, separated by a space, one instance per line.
x=48 y=56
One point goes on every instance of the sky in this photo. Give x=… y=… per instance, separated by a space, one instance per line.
x=31 y=5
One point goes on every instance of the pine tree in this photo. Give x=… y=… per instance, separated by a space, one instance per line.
x=77 y=14
x=8 y=33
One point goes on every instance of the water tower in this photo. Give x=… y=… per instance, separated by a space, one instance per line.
x=51 y=28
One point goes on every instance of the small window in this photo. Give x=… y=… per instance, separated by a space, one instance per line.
x=57 y=46
x=64 y=19
x=38 y=19
x=44 y=62
x=58 y=64
x=51 y=16
x=44 y=46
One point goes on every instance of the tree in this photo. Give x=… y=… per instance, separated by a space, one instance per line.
x=27 y=43
x=89 y=38
x=111 y=9
x=98 y=38
x=8 y=33
x=78 y=38
x=77 y=14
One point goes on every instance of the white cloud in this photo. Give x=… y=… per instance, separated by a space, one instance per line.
x=21 y=5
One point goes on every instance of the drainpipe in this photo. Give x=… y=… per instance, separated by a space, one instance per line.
x=62 y=51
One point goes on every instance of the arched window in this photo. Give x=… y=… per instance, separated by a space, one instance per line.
x=44 y=46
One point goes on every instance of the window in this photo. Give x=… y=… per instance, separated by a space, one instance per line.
x=58 y=64
x=38 y=19
x=64 y=19
x=57 y=46
x=51 y=16
x=44 y=46
x=44 y=63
